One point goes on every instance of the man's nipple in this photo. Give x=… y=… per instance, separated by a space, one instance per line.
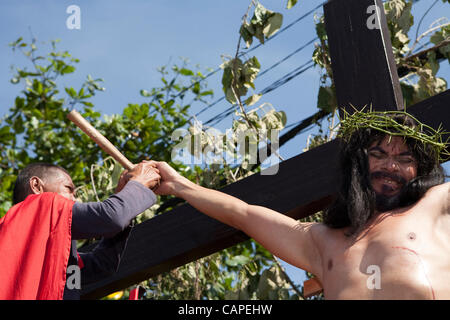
x=412 y=236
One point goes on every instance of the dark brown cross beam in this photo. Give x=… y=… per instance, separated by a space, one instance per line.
x=364 y=72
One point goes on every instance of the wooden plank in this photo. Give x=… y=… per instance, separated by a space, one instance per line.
x=364 y=69
x=433 y=111
x=312 y=287
x=303 y=185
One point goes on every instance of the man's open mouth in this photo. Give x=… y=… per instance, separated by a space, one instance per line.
x=390 y=182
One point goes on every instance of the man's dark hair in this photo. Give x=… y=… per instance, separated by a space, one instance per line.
x=40 y=170
x=356 y=199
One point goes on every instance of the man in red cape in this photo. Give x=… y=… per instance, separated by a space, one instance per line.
x=37 y=235
x=35 y=241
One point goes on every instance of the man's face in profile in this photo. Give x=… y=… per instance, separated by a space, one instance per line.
x=61 y=183
x=391 y=166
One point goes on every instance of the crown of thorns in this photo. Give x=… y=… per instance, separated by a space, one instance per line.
x=384 y=121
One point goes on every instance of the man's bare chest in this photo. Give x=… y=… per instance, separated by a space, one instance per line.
x=397 y=257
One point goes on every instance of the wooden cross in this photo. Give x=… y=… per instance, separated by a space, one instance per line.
x=364 y=73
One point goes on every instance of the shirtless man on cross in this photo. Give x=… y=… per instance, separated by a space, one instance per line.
x=392 y=215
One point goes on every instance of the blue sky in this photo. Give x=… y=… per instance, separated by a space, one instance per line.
x=124 y=42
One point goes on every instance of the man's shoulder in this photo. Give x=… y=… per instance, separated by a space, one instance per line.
x=439 y=190
x=46 y=200
x=324 y=234
x=439 y=196
x=44 y=196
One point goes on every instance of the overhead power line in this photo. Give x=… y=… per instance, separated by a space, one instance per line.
x=278 y=83
x=255 y=47
x=261 y=74
x=288 y=77
x=288 y=56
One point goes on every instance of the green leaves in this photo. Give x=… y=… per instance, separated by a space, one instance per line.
x=93 y=84
x=240 y=260
x=439 y=37
x=400 y=20
x=426 y=83
x=238 y=77
x=291 y=3
x=326 y=99
x=186 y=72
x=17 y=43
x=262 y=25
x=271 y=284
x=145 y=93
x=6 y=134
x=253 y=99
x=71 y=92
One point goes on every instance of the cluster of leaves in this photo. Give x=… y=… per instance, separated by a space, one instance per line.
x=400 y=20
x=326 y=98
x=237 y=147
x=262 y=25
x=420 y=83
x=35 y=128
x=104 y=178
x=238 y=76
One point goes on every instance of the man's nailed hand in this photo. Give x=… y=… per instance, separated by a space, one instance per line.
x=171 y=180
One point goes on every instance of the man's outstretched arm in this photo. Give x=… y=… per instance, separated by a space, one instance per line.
x=286 y=238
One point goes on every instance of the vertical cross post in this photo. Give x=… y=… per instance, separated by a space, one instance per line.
x=363 y=64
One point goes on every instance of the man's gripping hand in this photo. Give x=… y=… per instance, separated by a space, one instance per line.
x=145 y=173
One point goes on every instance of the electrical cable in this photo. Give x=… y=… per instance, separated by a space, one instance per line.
x=261 y=74
x=255 y=47
x=278 y=83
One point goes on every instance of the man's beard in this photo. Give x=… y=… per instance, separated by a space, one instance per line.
x=385 y=203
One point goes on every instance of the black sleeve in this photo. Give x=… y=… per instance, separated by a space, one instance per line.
x=104 y=259
x=107 y=218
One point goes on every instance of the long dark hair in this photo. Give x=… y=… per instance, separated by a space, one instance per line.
x=355 y=202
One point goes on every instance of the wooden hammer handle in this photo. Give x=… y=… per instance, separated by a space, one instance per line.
x=99 y=139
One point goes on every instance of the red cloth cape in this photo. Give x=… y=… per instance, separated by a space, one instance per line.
x=35 y=239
